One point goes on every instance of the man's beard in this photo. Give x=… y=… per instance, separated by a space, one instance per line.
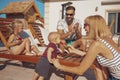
x=69 y=22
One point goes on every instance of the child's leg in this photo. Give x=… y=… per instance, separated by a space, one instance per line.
x=41 y=78
x=20 y=48
x=36 y=76
x=27 y=46
x=35 y=49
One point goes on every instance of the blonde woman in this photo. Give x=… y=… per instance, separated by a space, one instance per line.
x=103 y=48
x=17 y=44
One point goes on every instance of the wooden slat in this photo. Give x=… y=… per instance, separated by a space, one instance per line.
x=5 y=26
x=4 y=41
x=69 y=59
x=6 y=19
x=25 y=58
x=37 y=34
x=5 y=23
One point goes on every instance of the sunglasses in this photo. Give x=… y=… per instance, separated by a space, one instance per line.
x=69 y=14
x=86 y=24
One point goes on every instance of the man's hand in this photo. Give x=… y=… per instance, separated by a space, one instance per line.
x=76 y=26
x=77 y=30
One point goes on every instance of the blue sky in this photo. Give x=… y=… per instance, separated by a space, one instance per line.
x=39 y=4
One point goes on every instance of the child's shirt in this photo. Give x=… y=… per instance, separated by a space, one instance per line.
x=54 y=53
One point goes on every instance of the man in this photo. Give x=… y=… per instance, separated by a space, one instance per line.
x=69 y=28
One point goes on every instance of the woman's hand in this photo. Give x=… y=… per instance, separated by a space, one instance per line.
x=56 y=63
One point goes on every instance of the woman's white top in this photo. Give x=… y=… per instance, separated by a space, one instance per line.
x=112 y=64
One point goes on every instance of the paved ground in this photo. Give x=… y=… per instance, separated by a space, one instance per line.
x=15 y=71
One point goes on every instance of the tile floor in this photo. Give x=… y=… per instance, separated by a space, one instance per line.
x=15 y=71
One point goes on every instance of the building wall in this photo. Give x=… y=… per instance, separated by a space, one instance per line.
x=84 y=8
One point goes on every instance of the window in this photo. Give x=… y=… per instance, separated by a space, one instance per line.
x=114 y=16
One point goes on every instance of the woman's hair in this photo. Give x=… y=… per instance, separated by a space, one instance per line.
x=53 y=36
x=98 y=27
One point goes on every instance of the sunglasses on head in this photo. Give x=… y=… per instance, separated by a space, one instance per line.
x=69 y=14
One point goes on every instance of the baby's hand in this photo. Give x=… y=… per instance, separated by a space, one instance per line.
x=70 y=47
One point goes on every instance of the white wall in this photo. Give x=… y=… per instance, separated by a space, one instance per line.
x=84 y=8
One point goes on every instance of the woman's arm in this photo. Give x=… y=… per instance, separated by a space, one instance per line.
x=86 y=62
x=80 y=44
x=76 y=51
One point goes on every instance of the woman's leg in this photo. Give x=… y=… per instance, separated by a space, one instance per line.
x=100 y=73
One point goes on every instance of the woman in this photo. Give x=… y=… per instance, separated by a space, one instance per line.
x=102 y=48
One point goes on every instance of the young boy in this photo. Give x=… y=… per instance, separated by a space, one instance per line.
x=45 y=61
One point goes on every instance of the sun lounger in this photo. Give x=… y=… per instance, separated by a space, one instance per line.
x=5 y=51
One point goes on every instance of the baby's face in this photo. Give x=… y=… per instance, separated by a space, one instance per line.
x=58 y=40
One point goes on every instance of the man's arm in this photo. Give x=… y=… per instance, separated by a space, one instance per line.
x=62 y=34
x=60 y=29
